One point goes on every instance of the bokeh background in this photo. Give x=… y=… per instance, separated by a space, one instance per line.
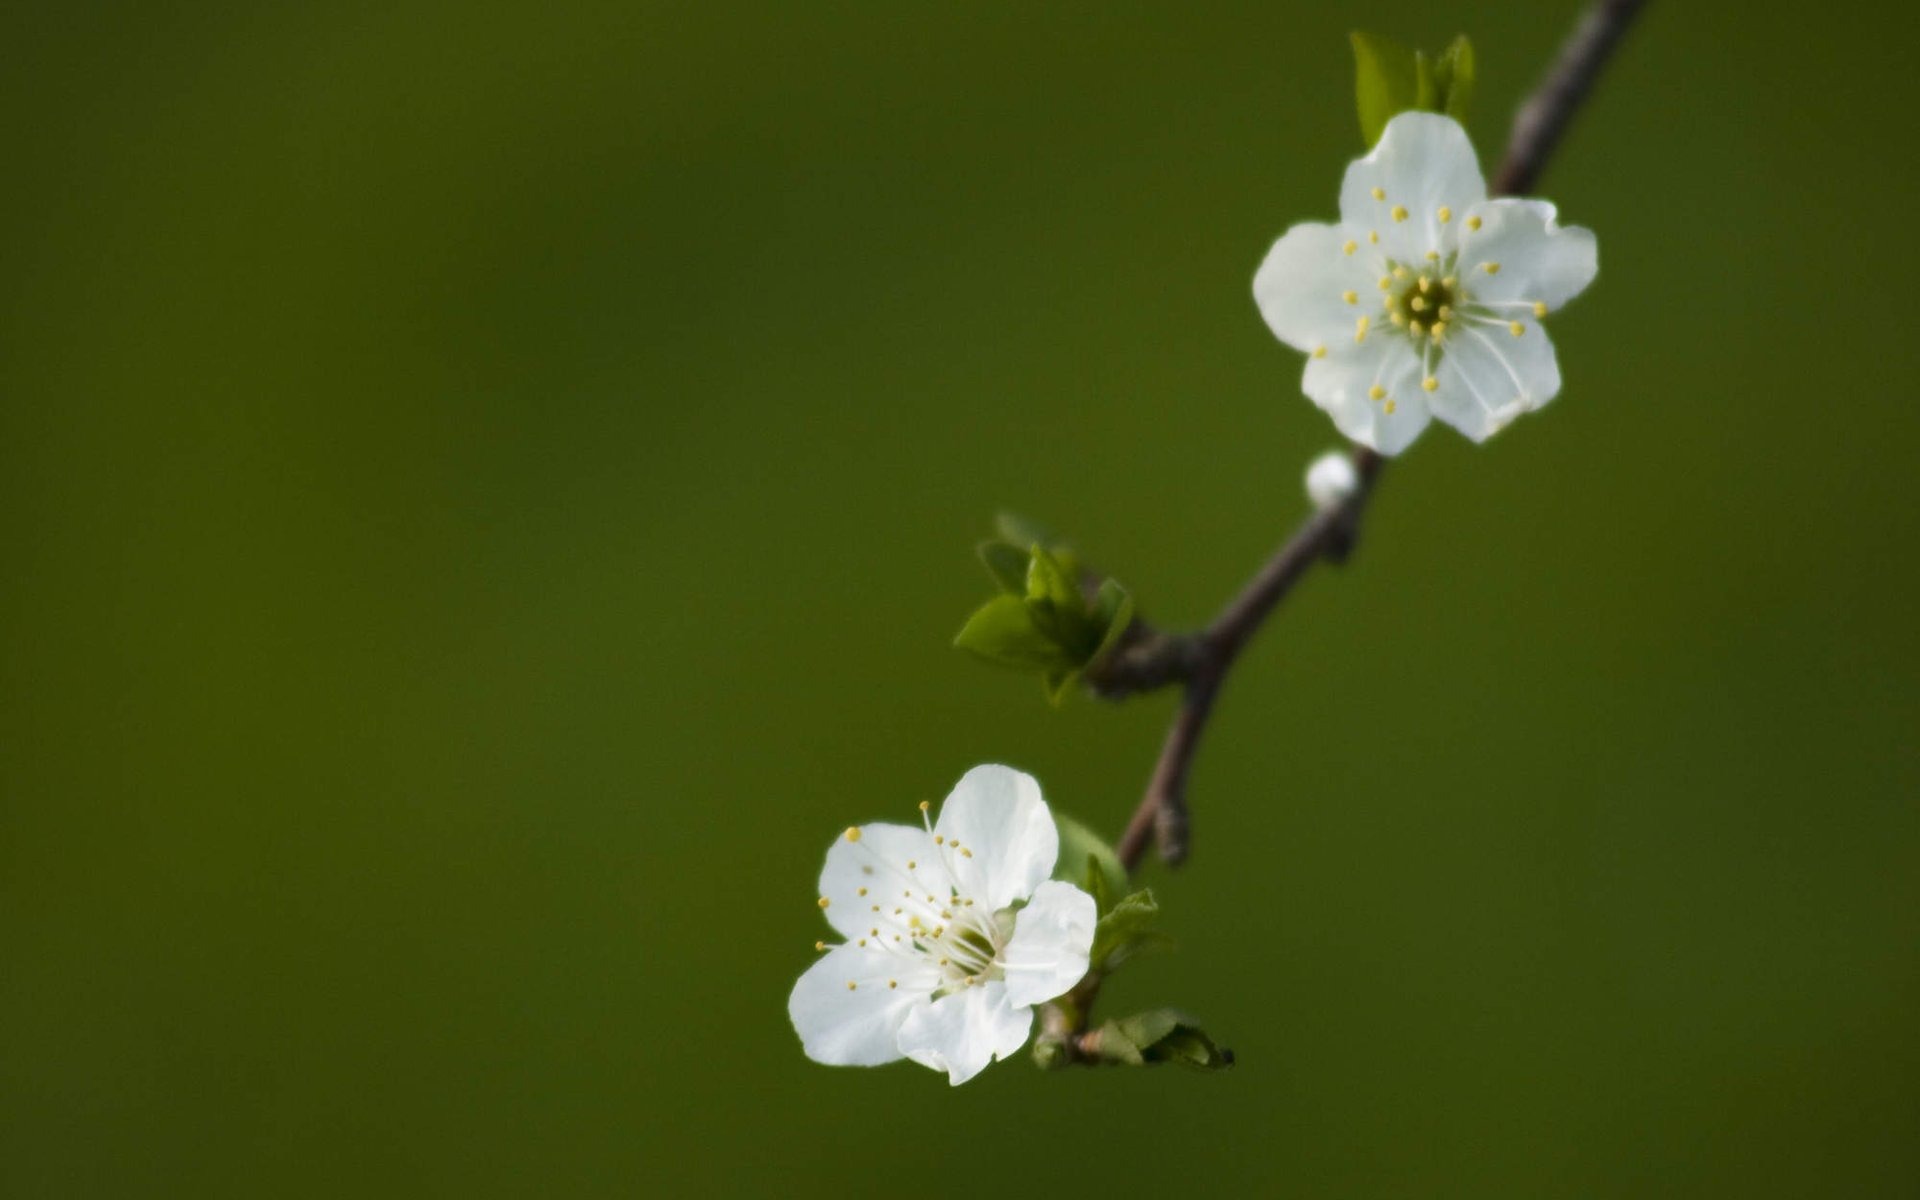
x=487 y=490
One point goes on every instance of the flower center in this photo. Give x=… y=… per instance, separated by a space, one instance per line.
x=1423 y=299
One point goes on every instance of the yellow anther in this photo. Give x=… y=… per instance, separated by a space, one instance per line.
x=893 y=983
x=896 y=937
x=912 y=865
x=1473 y=222
x=863 y=941
x=1397 y=317
x=1425 y=283
x=1416 y=328
x=907 y=895
x=1319 y=351
x=925 y=805
x=1430 y=383
x=862 y=891
x=1386 y=283
x=1392 y=407
x=1399 y=213
x=1433 y=256
x=819 y=945
x=1516 y=329
x=1448 y=282
x=824 y=902
x=1377 y=392
x=1401 y=272
x=1446 y=312
x=896 y=912
x=1439 y=330
x=1350 y=297
x=939 y=840
x=943 y=962
x=853 y=833
x=1379 y=194
x=1360 y=329
x=1349 y=247
x=1490 y=268
x=967 y=854
x=874 y=932
x=1446 y=214
x=852 y=986
x=1417 y=304
x=1539 y=308
x=1373 y=239
x=873 y=908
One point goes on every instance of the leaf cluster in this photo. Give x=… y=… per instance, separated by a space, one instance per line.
x=1043 y=621
x=1390 y=79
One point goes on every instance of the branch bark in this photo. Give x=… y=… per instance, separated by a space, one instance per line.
x=1200 y=661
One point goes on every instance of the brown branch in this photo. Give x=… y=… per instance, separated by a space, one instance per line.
x=1154 y=659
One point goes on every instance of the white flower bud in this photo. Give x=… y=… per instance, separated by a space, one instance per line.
x=1331 y=479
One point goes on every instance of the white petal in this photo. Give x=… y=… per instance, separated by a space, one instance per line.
x=1052 y=937
x=858 y=1026
x=1539 y=260
x=1489 y=377
x=1008 y=839
x=877 y=861
x=962 y=1032
x=1342 y=383
x=1423 y=163
x=1302 y=285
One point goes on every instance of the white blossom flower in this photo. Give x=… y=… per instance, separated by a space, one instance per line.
x=1426 y=299
x=1331 y=479
x=954 y=933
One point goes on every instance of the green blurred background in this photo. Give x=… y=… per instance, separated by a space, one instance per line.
x=487 y=491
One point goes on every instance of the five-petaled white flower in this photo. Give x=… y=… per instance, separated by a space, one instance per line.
x=943 y=963
x=1425 y=300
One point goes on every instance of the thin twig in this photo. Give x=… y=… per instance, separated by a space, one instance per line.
x=1201 y=661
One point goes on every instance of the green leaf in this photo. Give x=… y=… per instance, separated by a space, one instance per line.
x=1048 y=581
x=1112 y=614
x=1003 y=631
x=1386 y=82
x=1059 y=685
x=1057 y=608
x=1007 y=563
x=1088 y=861
x=1454 y=70
x=1023 y=531
x=1160 y=1035
x=1126 y=930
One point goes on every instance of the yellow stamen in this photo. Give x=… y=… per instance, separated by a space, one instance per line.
x=852 y=986
x=1373 y=239
x=1377 y=392
x=1433 y=256
x=1490 y=268
x=1392 y=406
x=1360 y=330
x=1430 y=383
x=1417 y=304
x=1516 y=329
x=1379 y=194
x=1473 y=223
x=1399 y=213
x=1349 y=247
x=824 y=902
x=1446 y=214
x=1319 y=351
x=1386 y=283
x=1350 y=297
x=819 y=945
x=853 y=833
x=1539 y=308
